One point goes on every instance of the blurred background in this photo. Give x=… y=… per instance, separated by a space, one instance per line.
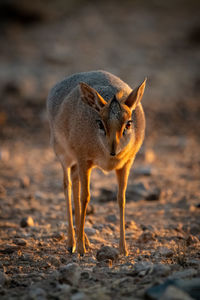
x=44 y=41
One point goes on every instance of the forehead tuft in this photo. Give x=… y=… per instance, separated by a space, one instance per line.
x=115 y=110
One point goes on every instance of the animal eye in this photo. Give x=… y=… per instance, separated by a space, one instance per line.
x=128 y=124
x=100 y=124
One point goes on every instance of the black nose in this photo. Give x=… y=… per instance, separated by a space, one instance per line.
x=112 y=153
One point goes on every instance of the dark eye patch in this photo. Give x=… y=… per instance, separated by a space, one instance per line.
x=100 y=125
x=128 y=124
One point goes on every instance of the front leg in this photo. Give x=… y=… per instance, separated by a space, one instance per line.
x=122 y=178
x=84 y=175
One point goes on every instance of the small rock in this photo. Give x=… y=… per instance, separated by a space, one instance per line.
x=58 y=236
x=145 y=191
x=143 y=171
x=131 y=225
x=70 y=274
x=3 y=278
x=86 y=274
x=90 y=209
x=142 y=268
x=27 y=222
x=184 y=274
x=25 y=182
x=105 y=263
x=20 y=242
x=37 y=293
x=174 y=293
x=111 y=218
x=164 y=251
x=107 y=252
x=195 y=229
x=79 y=296
x=150 y=156
x=4 y=155
x=161 y=270
x=90 y=231
x=2 y=191
x=192 y=240
x=146 y=237
x=107 y=195
x=188 y=287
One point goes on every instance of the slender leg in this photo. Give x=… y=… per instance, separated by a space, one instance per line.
x=71 y=244
x=76 y=197
x=84 y=174
x=122 y=178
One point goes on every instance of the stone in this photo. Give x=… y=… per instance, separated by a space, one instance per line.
x=161 y=270
x=90 y=231
x=141 y=269
x=105 y=263
x=111 y=218
x=27 y=222
x=3 y=278
x=107 y=195
x=192 y=240
x=174 y=293
x=190 y=290
x=164 y=251
x=2 y=191
x=20 y=242
x=144 y=190
x=37 y=293
x=146 y=237
x=107 y=252
x=195 y=229
x=70 y=274
x=25 y=181
x=144 y=171
x=184 y=274
x=79 y=296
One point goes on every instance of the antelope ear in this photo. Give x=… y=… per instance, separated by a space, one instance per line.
x=91 y=97
x=135 y=96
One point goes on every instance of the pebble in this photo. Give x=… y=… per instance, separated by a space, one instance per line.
x=195 y=229
x=20 y=242
x=3 y=278
x=70 y=274
x=174 y=293
x=184 y=274
x=111 y=218
x=144 y=171
x=146 y=237
x=107 y=252
x=37 y=294
x=192 y=240
x=189 y=288
x=25 y=181
x=27 y=222
x=164 y=251
x=142 y=268
x=144 y=191
x=107 y=195
x=105 y=263
x=90 y=231
x=79 y=296
x=2 y=191
x=161 y=270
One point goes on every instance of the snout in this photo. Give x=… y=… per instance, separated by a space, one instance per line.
x=112 y=153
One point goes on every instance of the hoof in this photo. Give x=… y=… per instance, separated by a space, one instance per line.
x=71 y=249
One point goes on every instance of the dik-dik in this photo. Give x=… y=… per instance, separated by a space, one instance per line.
x=96 y=120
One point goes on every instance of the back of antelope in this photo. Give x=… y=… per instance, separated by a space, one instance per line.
x=96 y=120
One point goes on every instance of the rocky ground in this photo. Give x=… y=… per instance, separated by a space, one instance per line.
x=163 y=196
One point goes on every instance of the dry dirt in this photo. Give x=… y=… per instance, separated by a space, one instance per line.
x=163 y=196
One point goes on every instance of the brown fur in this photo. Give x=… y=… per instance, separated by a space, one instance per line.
x=87 y=131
